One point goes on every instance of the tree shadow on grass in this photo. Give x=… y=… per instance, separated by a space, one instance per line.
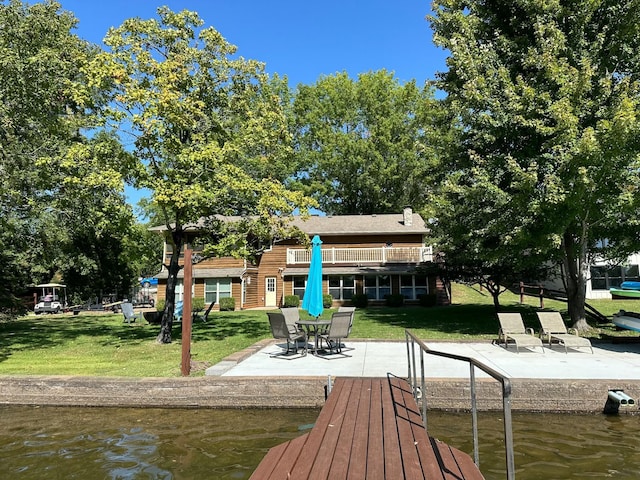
x=41 y=332
x=223 y=325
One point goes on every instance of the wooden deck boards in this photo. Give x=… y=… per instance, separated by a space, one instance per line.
x=369 y=428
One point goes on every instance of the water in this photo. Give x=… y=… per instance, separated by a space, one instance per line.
x=549 y=446
x=105 y=443
x=96 y=443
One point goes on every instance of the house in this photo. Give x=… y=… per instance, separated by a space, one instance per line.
x=372 y=254
x=602 y=277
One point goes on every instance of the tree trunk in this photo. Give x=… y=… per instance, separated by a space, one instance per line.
x=576 y=274
x=495 y=291
x=166 y=323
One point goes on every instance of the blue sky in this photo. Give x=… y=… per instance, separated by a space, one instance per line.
x=300 y=39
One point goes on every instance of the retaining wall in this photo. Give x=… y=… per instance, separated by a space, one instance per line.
x=296 y=392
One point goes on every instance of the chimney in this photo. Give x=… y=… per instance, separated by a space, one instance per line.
x=407 y=216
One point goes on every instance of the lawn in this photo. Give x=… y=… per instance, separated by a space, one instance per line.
x=103 y=345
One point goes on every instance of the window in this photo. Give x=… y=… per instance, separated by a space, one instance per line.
x=299 y=285
x=180 y=289
x=412 y=286
x=604 y=277
x=342 y=287
x=377 y=286
x=216 y=288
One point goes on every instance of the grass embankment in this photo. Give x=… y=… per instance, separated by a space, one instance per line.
x=103 y=345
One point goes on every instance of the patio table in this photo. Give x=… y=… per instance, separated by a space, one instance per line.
x=312 y=327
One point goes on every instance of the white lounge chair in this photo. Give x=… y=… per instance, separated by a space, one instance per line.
x=512 y=328
x=553 y=328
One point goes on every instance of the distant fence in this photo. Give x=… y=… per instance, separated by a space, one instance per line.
x=541 y=293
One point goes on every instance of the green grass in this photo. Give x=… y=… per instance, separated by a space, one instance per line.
x=103 y=345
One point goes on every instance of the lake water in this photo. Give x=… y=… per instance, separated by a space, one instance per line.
x=105 y=443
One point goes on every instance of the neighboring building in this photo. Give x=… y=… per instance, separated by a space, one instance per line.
x=603 y=277
x=372 y=254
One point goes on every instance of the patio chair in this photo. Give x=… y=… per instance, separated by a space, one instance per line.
x=512 y=328
x=352 y=311
x=338 y=330
x=128 y=313
x=553 y=329
x=291 y=316
x=281 y=331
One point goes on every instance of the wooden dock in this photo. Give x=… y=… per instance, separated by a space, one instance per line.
x=369 y=428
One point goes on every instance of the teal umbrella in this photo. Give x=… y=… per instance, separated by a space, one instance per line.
x=312 y=301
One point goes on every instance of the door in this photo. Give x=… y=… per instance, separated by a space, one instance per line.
x=270 y=297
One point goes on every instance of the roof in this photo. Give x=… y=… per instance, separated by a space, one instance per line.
x=385 y=224
x=360 y=224
x=208 y=273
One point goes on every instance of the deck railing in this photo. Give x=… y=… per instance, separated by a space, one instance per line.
x=419 y=390
x=297 y=256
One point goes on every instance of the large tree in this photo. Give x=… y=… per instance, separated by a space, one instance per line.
x=40 y=121
x=545 y=96
x=206 y=130
x=364 y=146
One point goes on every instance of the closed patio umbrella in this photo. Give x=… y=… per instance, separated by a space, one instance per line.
x=312 y=301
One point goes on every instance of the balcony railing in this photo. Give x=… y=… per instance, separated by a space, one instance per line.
x=378 y=255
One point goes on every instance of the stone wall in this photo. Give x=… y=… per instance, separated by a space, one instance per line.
x=296 y=392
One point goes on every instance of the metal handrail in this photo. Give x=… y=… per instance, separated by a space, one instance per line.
x=412 y=341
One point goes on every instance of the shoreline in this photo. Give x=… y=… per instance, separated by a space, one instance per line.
x=293 y=391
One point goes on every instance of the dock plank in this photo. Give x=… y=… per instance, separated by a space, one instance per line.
x=358 y=460
x=375 y=451
x=330 y=414
x=369 y=428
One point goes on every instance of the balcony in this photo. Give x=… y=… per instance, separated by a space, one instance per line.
x=359 y=256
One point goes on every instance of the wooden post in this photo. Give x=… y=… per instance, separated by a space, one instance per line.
x=186 y=314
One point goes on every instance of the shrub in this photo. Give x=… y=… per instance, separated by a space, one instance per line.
x=327 y=301
x=428 y=299
x=197 y=304
x=360 y=300
x=394 y=300
x=227 y=304
x=291 y=301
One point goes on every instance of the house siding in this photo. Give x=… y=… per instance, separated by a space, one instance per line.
x=273 y=262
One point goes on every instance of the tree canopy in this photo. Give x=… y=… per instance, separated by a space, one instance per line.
x=207 y=132
x=366 y=145
x=545 y=99
x=50 y=170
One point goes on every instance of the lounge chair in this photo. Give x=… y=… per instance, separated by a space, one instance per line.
x=281 y=331
x=553 y=328
x=338 y=330
x=128 y=313
x=512 y=328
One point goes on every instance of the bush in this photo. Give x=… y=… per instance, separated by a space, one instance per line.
x=197 y=304
x=394 y=300
x=327 y=301
x=360 y=300
x=428 y=299
x=227 y=304
x=291 y=301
